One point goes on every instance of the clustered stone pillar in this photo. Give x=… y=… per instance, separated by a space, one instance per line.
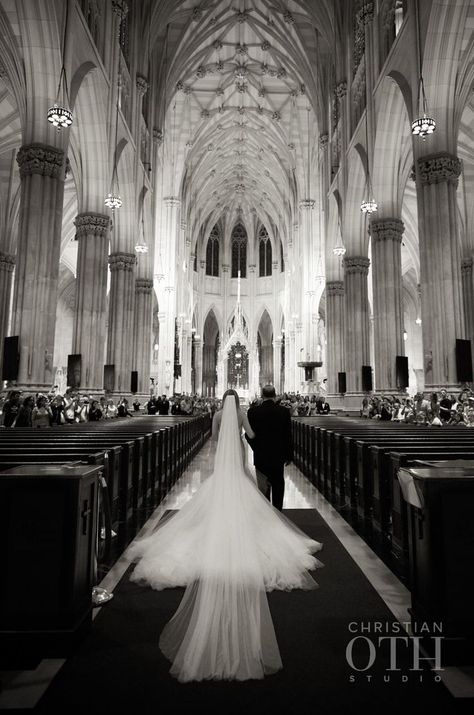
x=335 y=333
x=7 y=265
x=198 y=365
x=387 y=294
x=143 y=327
x=440 y=267
x=468 y=297
x=92 y=233
x=42 y=172
x=121 y=313
x=357 y=328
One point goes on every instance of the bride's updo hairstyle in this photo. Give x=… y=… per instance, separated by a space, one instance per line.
x=235 y=396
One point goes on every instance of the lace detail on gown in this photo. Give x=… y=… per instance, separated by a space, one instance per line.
x=228 y=546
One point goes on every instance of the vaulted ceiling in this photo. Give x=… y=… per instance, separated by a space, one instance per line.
x=241 y=89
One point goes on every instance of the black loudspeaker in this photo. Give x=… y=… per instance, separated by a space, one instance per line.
x=74 y=370
x=401 y=368
x=341 y=382
x=464 y=360
x=109 y=378
x=134 y=381
x=366 y=378
x=11 y=358
x=177 y=370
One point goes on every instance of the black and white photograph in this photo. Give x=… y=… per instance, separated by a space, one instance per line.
x=236 y=242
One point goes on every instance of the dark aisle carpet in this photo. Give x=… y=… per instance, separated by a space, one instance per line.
x=119 y=667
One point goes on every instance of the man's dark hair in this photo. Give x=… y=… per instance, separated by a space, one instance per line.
x=268 y=391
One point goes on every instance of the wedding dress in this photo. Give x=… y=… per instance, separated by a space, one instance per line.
x=228 y=546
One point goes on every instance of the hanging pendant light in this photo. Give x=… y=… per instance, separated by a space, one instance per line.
x=424 y=125
x=113 y=200
x=59 y=115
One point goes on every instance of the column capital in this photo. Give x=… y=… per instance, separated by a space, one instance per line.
x=307 y=204
x=436 y=168
x=92 y=223
x=323 y=140
x=356 y=264
x=171 y=201
x=41 y=159
x=7 y=262
x=144 y=285
x=142 y=84
x=122 y=261
x=157 y=135
x=202 y=264
x=466 y=266
x=225 y=267
x=340 y=90
x=252 y=267
x=335 y=288
x=387 y=229
x=365 y=14
x=120 y=8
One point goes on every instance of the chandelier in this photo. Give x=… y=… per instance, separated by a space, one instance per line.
x=368 y=206
x=59 y=115
x=424 y=125
x=113 y=200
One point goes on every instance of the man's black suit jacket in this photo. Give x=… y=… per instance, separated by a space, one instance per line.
x=273 y=443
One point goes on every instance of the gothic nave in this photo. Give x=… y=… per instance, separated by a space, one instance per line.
x=198 y=195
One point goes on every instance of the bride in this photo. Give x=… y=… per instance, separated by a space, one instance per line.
x=227 y=546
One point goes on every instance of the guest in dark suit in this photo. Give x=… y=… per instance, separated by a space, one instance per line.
x=272 y=445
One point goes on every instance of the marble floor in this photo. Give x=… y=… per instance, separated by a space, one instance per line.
x=23 y=689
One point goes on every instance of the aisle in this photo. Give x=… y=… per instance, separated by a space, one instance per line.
x=119 y=666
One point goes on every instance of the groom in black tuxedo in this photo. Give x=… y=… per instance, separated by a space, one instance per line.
x=272 y=445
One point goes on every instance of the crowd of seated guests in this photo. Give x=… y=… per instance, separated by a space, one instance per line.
x=436 y=410
x=45 y=410
x=301 y=405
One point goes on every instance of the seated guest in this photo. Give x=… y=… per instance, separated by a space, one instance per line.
x=136 y=406
x=445 y=405
x=41 y=415
x=365 y=409
x=164 y=407
x=385 y=410
x=421 y=408
x=322 y=407
x=122 y=409
x=153 y=405
x=111 y=410
x=23 y=418
x=57 y=408
x=11 y=407
x=457 y=416
x=95 y=413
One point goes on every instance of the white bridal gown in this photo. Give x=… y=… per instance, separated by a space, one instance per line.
x=227 y=546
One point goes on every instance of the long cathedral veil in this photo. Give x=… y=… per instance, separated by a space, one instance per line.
x=223 y=627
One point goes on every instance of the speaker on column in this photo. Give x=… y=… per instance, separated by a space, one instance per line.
x=177 y=370
x=401 y=369
x=109 y=378
x=11 y=358
x=366 y=378
x=134 y=381
x=341 y=382
x=74 y=370
x=463 y=360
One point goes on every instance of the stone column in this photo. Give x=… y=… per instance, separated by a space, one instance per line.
x=39 y=244
x=198 y=365
x=7 y=265
x=334 y=333
x=121 y=313
x=357 y=329
x=167 y=297
x=440 y=268
x=388 y=307
x=468 y=298
x=92 y=234
x=277 y=363
x=143 y=328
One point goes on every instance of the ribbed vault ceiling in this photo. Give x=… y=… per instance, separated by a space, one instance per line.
x=241 y=91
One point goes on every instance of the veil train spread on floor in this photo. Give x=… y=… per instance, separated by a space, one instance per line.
x=227 y=546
